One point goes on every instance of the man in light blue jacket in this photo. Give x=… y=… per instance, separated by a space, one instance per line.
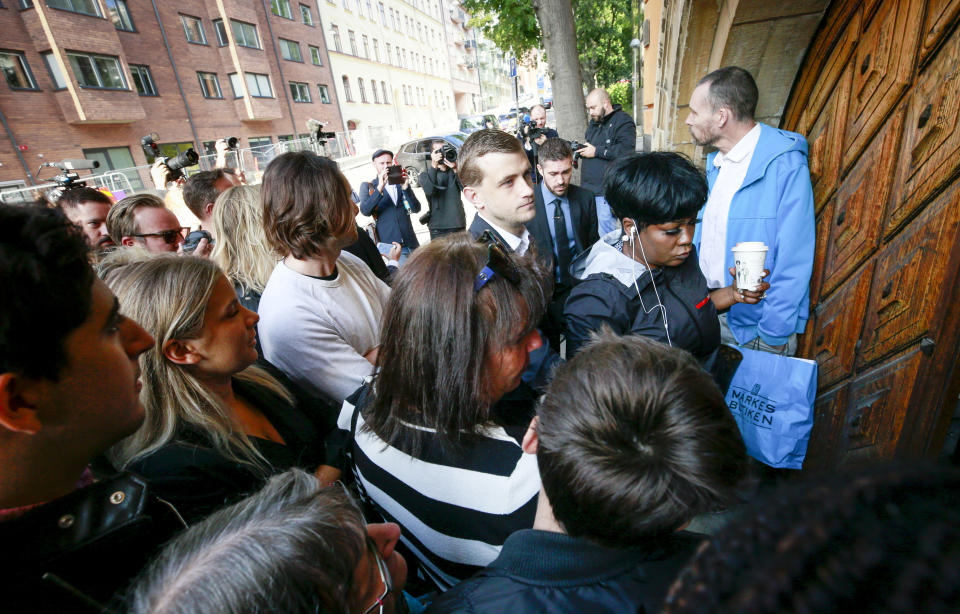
x=759 y=191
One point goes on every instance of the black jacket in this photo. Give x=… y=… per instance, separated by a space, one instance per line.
x=190 y=473
x=365 y=249
x=90 y=544
x=607 y=295
x=614 y=136
x=539 y=571
x=393 y=221
x=583 y=213
x=443 y=194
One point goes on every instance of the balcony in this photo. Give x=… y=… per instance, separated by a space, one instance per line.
x=457 y=15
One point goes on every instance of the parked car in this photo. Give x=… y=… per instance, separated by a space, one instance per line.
x=472 y=123
x=414 y=156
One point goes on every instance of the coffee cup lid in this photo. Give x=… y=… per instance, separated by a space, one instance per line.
x=750 y=246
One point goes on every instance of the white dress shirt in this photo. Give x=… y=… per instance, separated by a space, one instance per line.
x=713 y=234
x=518 y=245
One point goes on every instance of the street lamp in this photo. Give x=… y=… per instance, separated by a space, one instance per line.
x=637 y=114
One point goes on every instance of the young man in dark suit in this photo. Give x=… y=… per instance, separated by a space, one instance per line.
x=391 y=205
x=565 y=225
x=495 y=175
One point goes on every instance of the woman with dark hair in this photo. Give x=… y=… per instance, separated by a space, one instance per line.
x=644 y=279
x=429 y=449
x=885 y=539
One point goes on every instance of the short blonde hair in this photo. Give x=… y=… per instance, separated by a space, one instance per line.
x=121 y=220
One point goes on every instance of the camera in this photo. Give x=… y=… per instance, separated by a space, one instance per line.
x=193 y=240
x=395 y=174
x=449 y=153
x=176 y=164
x=317 y=135
x=530 y=130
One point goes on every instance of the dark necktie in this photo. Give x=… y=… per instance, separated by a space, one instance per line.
x=562 y=242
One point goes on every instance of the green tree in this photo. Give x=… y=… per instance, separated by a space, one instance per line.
x=604 y=29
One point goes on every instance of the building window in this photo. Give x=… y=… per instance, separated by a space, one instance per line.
x=258 y=85
x=389 y=57
x=86 y=7
x=383 y=87
x=306 y=14
x=97 y=71
x=315 y=55
x=218 y=27
x=370 y=10
x=363 y=90
x=281 y=8
x=346 y=89
x=353 y=42
x=143 y=80
x=193 y=28
x=335 y=30
x=324 y=93
x=209 y=84
x=120 y=15
x=15 y=70
x=346 y=5
x=373 y=89
x=245 y=34
x=117 y=159
x=56 y=74
x=366 y=45
x=376 y=50
x=300 y=92
x=383 y=14
x=290 y=50
x=26 y=4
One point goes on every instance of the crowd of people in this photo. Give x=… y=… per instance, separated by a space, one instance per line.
x=272 y=414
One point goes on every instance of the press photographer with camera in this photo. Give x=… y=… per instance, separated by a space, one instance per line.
x=442 y=188
x=390 y=201
x=533 y=133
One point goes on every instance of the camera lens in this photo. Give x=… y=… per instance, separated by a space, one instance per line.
x=183 y=160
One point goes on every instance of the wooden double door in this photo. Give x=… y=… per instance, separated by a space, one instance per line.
x=878 y=97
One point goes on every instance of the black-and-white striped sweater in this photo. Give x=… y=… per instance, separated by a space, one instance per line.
x=455 y=509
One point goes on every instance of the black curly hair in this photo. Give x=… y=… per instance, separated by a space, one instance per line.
x=46 y=283
x=884 y=540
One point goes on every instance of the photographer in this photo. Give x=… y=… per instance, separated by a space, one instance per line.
x=390 y=201
x=533 y=133
x=442 y=188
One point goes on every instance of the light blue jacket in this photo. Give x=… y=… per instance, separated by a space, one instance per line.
x=774 y=205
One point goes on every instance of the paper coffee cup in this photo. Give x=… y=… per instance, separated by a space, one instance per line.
x=749 y=258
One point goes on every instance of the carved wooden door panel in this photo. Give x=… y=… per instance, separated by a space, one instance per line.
x=882 y=116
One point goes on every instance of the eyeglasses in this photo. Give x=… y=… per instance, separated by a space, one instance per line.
x=384 y=577
x=498 y=263
x=169 y=236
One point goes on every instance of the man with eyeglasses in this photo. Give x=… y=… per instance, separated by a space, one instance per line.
x=143 y=220
x=294 y=546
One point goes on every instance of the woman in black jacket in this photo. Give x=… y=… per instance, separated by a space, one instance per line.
x=646 y=279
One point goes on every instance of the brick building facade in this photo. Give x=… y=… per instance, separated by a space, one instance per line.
x=89 y=78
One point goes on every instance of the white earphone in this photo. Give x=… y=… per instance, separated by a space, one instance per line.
x=663 y=310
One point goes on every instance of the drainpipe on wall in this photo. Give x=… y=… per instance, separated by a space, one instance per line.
x=176 y=75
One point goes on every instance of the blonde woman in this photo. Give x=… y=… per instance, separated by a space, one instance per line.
x=216 y=427
x=241 y=249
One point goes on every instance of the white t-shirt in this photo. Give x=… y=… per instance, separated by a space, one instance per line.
x=317 y=331
x=713 y=234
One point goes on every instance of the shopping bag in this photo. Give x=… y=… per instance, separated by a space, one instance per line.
x=771 y=398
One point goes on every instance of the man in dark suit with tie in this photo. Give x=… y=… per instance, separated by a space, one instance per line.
x=565 y=225
x=390 y=205
x=495 y=175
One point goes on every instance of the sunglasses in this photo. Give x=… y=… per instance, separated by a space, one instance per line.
x=169 y=236
x=498 y=263
x=384 y=577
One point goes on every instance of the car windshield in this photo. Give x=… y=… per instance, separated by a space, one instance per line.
x=472 y=122
x=456 y=139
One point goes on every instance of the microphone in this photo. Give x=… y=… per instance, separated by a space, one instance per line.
x=75 y=165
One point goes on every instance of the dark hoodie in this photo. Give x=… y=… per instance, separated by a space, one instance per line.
x=618 y=291
x=614 y=136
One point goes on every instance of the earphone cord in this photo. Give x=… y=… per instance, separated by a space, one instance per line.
x=663 y=310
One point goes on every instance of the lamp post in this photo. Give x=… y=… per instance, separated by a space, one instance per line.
x=637 y=113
